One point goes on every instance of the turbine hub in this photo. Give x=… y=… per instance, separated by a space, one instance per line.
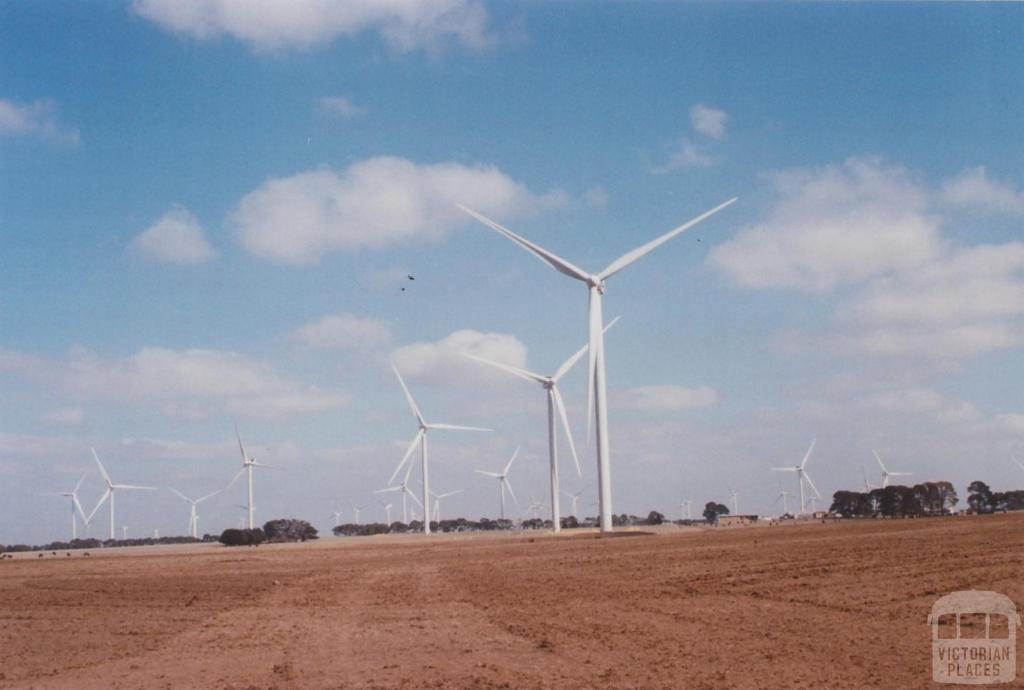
x=596 y=282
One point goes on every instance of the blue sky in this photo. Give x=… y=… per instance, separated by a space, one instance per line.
x=208 y=215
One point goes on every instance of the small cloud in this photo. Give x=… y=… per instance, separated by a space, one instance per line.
x=667 y=397
x=596 y=197
x=345 y=331
x=64 y=416
x=973 y=188
x=37 y=118
x=441 y=362
x=339 y=105
x=709 y=121
x=176 y=238
x=686 y=155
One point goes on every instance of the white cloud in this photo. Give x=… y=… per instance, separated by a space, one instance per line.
x=686 y=155
x=64 y=416
x=37 y=118
x=372 y=204
x=596 y=197
x=666 y=397
x=405 y=25
x=177 y=238
x=973 y=188
x=708 y=121
x=834 y=225
x=440 y=362
x=179 y=382
x=339 y=105
x=345 y=331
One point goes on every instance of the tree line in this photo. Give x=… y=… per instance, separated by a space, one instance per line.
x=920 y=500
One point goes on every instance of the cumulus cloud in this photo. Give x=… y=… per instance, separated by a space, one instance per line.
x=686 y=155
x=441 y=362
x=405 y=25
x=708 y=121
x=666 y=397
x=339 y=105
x=834 y=225
x=179 y=382
x=345 y=331
x=973 y=188
x=38 y=118
x=596 y=197
x=176 y=238
x=371 y=204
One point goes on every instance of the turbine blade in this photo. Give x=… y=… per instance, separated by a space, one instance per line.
x=511 y=460
x=808 y=478
x=412 y=495
x=1019 y=463
x=408 y=452
x=552 y=260
x=629 y=257
x=387 y=490
x=78 y=507
x=245 y=458
x=103 y=472
x=234 y=479
x=515 y=371
x=408 y=396
x=489 y=474
x=508 y=485
x=808 y=455
x=408 y=472
x=79 y=484
x=785 y=469
x=180 y=495
x=133 y=486
x=456 y=427
x=260 y=464
x=560 y=404
x=569 y=363
x=879 y=461
x=900 y=474
x=210 y=495
x=102 y=500
x=450 y=493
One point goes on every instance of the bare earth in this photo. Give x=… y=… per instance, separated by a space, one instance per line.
x=809 y=606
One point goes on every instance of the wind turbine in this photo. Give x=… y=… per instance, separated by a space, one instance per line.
x=735 y=500
x=596 y=370
x=784 y=496
x=75 y=505
x=193 y=518
x=503 y=482
x=801 y=476
x=868 y=486
x=421 y=439
x=550 y=385
x=886 y=473
x=356 y=510
x=437 y=503
x=109 y=494
x=575 y=500
x=387 y=511
x=247 y=464
x=685 y=504
x=1019 y=463
x=406 y=492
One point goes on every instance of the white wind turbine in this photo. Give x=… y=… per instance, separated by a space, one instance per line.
x=193 y=517
x=406 y=493
x=784 y=497
x=685 y=505
x=550 y=385
x=886 y=473
x=574 y=498
x=437 y=503
x=355 y=511
x=802 y=476
x=596 y=370
x=503 y=482
x=109 y=494
x=868 y=486
x=247 y=464
x=735 y=500
x=421 y=440
x=75 y=505
x=387 y=511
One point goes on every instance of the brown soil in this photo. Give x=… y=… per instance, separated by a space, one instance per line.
x=808 y=606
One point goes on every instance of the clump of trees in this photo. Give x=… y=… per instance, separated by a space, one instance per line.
x=981 y=499
x=242 y=537
x=289 y=529
x=896 y=501
x=713 y=510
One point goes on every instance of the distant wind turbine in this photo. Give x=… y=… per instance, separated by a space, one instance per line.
x=886 y=473
x=503 y=482
x=868 y=486
x=550 y=385
x=574 y=498
x=802 y=476
x=247 y=464
x=596 y=370
x=437 y=503
x=111 y=488
x=75 y=505
x=193 y=518
x=406 y=493
x=735 y=500
x=421 y=439
x=784 y=497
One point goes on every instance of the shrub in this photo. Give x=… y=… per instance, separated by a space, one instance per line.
x=242 y=537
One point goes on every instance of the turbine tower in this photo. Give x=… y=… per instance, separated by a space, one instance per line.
x=574 y=498
x=784 y=497
x=550 y=385
x=193 y=517
x=801 y=477
x=596 y=370
x=437 y=503
x=421 y=440
x=735 y=500
x=111 y=488
x=75 y=506
x=247 y=464
x=503 y=482
x=886 y=473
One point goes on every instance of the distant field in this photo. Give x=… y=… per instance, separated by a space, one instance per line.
x=808 y=606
